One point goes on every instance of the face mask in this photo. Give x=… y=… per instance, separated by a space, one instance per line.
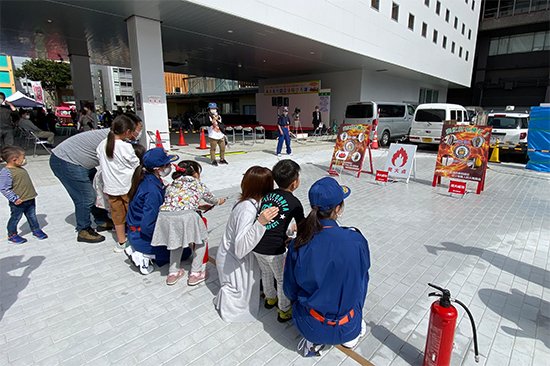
x=165 y=172
x=139 y=135
x=214 y=112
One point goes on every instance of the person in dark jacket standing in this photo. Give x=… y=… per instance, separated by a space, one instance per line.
x=283 y=123
x=7 y=111
x=326 y=274
x=316 y=121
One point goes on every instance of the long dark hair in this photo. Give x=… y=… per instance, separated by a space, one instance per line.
x=312 y=225
x=137 y=178
x=186 y=167
x=256 y=183
x=120 y=125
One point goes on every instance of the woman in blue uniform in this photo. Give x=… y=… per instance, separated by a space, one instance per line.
x=326 y=273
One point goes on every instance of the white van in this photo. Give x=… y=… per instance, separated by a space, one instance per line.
x=392 y=121
x=428 y=121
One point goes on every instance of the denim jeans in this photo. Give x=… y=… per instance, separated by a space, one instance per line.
x=285 y=136
x=28 y=208
x=77 y=180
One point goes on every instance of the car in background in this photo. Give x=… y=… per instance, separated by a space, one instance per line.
x=428 y=121
x=509 y=127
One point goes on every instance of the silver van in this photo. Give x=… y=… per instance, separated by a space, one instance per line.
x=392 y=121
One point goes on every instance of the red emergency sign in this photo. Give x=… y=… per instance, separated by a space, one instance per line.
x=457 y=187
x=381 y=176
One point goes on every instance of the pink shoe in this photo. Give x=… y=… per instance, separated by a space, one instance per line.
x=196 y=278
x=174 y=277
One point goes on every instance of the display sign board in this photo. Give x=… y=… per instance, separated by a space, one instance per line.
x=463 y=153
x=381 y=176
x=400 y=161
x=312 y=86
x=352 y=144
x=457 y=187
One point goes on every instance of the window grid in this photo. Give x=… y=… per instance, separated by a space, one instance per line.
x=395 y=12
x=518 y=43
x=411 y=21
x=447 y=15
x=375 y=4
x=444 y=43
x=453 y=47
x=434 y=37
x=438 y=7
x=424 y=29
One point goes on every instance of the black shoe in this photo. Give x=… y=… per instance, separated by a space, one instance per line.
x=89 y=235
x=214 y=162
x=106 y=226
x=223 y=161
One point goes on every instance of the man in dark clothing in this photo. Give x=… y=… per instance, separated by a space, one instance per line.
x=283 y=123
x=316 y=118
x=7 y=112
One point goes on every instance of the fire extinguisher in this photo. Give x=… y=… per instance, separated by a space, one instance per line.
x=441 y=330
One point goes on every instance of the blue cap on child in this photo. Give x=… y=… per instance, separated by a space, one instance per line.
x=326 y=193
x=157 y=157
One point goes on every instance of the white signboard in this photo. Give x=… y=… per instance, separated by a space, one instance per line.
x=401 y=161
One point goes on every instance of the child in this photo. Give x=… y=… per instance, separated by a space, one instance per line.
x=118 y=161
x=179 y=223
x=17 y=187
x=270 y=251
x=146 y=197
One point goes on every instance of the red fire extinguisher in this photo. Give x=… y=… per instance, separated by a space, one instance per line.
x=441 y=331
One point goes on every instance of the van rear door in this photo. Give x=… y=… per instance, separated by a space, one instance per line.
x=360 y=113
x=427 y=125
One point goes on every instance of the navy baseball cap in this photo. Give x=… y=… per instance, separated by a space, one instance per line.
x=212 y=106
x=157 y=157
x=326 y=193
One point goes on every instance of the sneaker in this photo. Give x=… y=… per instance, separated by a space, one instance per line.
x=174 y=277
x=223 y=161
x=308 y=349
x=147 y=268
x=16 y=239
x=89 y=235
x=279 y=155
x=214 y=162
x=196 y=277
x=290 y=154
x=284 y=316
x=120 y=247
x=144 y=264
x=270 y=303
x=353 y=342
x=128 y=251
x=106 y=226
x=40 y=234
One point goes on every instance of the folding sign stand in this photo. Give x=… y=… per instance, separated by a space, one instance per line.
x=480 y=185
x=342 y=162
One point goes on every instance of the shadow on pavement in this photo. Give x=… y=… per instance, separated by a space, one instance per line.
x=523 y=270
x=526 y=325
x=71 y=219
x=12 y=285
x=409 y=353
x=25 y=229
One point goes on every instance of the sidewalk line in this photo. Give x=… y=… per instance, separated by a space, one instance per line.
x=349 y=352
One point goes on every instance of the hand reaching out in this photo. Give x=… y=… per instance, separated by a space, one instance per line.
x=267 y=215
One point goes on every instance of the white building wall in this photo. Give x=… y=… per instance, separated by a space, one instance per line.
x=355 y=26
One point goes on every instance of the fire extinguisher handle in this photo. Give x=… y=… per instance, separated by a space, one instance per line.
x=437 y=287
x=434 y=294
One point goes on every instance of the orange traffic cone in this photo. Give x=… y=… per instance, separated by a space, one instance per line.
x=158 y=140
x=374 y=144
x=182 y=139
x=202 y=145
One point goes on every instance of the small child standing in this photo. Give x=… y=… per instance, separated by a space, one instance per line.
x=16 y=185
x=270 y=251
x=180 y=224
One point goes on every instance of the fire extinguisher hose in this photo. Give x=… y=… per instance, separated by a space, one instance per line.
x=476 y=351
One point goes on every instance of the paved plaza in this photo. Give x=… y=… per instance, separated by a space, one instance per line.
x=69 y=303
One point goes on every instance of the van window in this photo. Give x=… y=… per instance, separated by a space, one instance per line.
x=506 y=122
x=459 y=116
x=410 y=108
x=453 y=115
x=359 y=111
x=391 y=110
x=430 y=115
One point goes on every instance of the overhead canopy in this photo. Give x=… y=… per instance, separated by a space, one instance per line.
x=19 y=99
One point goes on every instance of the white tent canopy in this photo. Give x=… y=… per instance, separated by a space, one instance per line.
x=19 y=99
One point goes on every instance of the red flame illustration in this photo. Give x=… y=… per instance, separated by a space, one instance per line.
x=400 y=157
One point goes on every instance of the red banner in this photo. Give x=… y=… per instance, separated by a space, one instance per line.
x=381 y=176
x=457 y=187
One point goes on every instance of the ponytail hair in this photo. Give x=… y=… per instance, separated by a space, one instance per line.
x=137 y=178
x=120 y=125
x=311 y=226
x=186 y=168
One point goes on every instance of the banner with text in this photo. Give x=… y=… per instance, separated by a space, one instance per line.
x=351 y=146
x=312 y=86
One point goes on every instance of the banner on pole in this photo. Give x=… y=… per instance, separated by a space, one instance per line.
x=37 y=91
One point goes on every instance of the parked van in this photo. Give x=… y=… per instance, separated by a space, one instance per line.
x=428 y=121
x=392 y=121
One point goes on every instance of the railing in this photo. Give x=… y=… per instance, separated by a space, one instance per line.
x=516 y=7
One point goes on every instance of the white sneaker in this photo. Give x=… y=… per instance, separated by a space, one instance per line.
x=119 y=248
x=290 y=154
x=144 y=264
x=353 y=342
x=279 y=155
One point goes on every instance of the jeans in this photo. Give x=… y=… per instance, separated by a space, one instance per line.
x=285 y=136
x=29 y=209
x=77 y=180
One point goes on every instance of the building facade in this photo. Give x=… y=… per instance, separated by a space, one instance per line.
x=7 y=79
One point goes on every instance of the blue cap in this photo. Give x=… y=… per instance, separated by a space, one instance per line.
x=212 y=106
x=326 y=194
x=157 y=157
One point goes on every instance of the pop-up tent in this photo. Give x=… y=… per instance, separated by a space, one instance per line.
x=19 y=99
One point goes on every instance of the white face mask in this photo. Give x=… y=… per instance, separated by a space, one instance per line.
x=214 y=112
x=165 y=172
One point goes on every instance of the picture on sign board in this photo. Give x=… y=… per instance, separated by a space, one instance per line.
x=399 y=163
x=351 y=146
x=463 y=152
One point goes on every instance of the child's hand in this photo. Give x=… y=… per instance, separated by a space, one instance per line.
x=221 y=201
x=18 y=201
x=267 y=215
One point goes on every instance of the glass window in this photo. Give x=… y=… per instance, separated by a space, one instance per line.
x=411 y=21
x=424 y=29
x=467 y=54
x=427 y=2
x=503 y=45
x=538 y=41
x=430 y=115
x=444 y=44
x=463 y=28
x=375 y=4
x=456 y=22
x=504 y=122
x=453 y=47
x=460 y=52
x=359 y=111
x=410 y=109
x=434 y=38
x=395 y=12
x=453 y=115
x=473 y=4
x=438 y=7
x=469 y=34
x=547 y=41
x=521 y=43
x=493 y=47
x=459 y=116
x=447 y=15
x=390 y=110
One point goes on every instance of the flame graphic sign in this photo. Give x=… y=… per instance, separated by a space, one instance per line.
x=400 y=158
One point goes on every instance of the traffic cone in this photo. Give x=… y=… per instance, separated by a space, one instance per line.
x=202 y=145
x=182 y=139
x=158 y=140
x=494 y=155
x=374 y=144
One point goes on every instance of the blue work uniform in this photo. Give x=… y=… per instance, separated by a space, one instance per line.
x=284 y=122
x=326 y=280
x=142 y=215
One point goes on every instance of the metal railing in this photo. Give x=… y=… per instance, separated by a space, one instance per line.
x=513 y=7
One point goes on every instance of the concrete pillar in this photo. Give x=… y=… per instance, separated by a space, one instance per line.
x=145 y=42
x=81 y=78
